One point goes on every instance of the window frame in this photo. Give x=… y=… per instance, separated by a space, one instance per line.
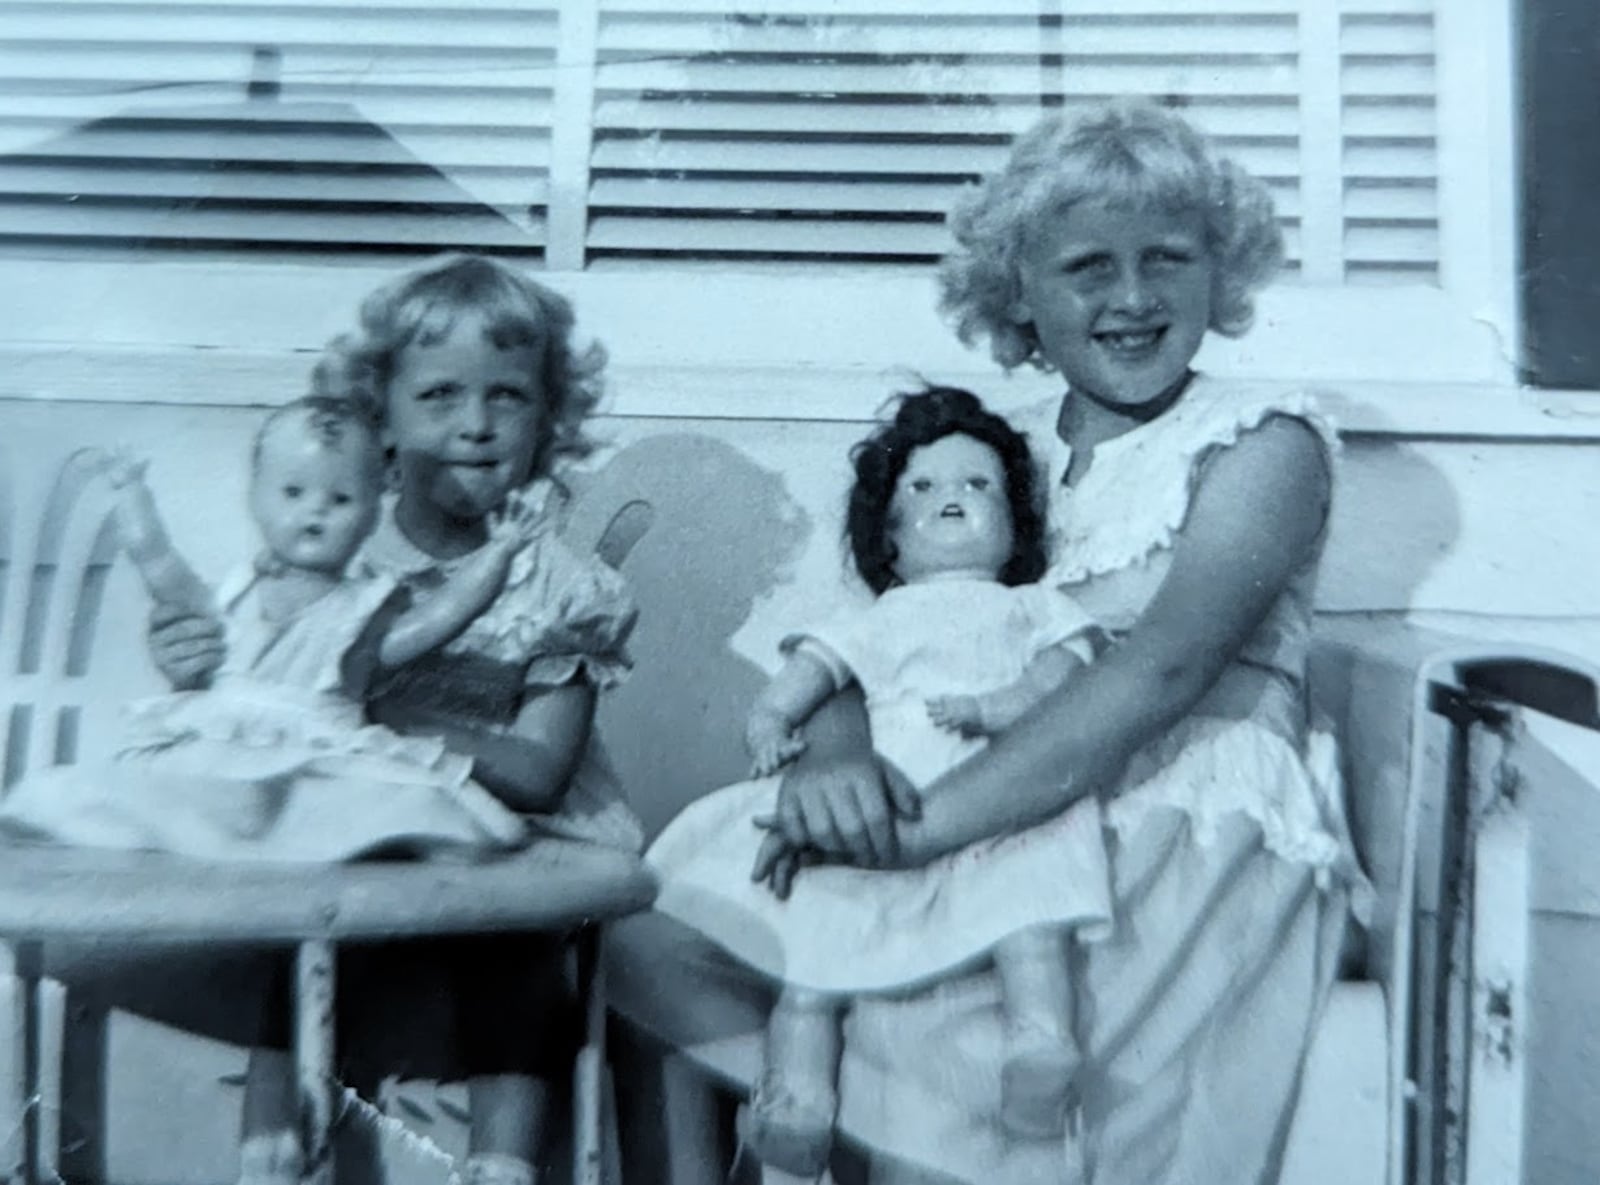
x=817 y=341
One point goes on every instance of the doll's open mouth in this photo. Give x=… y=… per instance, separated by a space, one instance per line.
x=952 y=511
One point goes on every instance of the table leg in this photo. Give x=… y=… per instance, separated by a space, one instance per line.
x=313 y=1056
x=15 y=1163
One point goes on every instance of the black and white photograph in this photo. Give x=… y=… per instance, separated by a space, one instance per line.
x=799 y=592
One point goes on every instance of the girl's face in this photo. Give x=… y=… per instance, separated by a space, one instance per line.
x=950 y=515
x=465 y=419
x=1119 y=297
x=314 y=502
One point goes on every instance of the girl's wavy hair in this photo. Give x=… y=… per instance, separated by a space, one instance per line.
x=921 y=418
x=1127 y=153
x=422 y=306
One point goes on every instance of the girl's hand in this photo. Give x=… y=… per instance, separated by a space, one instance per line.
x=772 y=743
x=843 y=809
x=517 y=523
x=957 y=713
x=187 y=647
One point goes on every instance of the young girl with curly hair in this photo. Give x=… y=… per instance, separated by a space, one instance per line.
x=1188 y=516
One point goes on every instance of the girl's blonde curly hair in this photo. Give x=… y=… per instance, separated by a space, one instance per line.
x=423 y=305
x=1128 y=153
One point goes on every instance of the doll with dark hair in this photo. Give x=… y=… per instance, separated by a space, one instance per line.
x=944 y=526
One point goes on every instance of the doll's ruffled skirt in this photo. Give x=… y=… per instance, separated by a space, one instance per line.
x=1231 y=884
x=263 y=785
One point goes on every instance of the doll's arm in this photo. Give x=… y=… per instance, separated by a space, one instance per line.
x=166 y=574
x=997 y=710
x=470 y=590
x=994 y=711
x=771 y=732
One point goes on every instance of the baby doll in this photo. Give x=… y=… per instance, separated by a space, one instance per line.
x=274 y=761
x=944 y=528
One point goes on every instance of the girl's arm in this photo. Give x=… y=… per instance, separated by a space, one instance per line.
x=995 y=711
x=771 y=733
x=1256 y=516
x=142 y=534
x=470 y=590
x=528 y=767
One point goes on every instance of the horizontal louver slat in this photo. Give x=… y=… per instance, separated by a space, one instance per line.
x=378 y=125
x=1390 y=152
x=800 y=129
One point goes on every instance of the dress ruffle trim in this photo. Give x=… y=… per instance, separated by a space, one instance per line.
x=1212 y=768
x=1139 y=528
x=273 y=723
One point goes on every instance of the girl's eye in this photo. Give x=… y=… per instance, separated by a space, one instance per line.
x=509 y=394
x=1089 y=266
x=341 y=499
x=437 y=391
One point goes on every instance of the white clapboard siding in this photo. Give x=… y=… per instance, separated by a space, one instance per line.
x=373 y=125
x=618 y=130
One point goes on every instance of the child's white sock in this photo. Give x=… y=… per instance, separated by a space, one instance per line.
x=271 y=1158
x=498 y=1168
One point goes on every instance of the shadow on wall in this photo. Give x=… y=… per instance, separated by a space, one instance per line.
x=726 y=531
x=1396 y=518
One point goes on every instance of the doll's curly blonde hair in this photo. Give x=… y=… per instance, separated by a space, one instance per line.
x=1128 y=152
x=422 y=305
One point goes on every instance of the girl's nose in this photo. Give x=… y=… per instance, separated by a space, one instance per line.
x=475 y=422
x=1135 y=295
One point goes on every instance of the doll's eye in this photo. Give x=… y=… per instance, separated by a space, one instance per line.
x=920 y=485
x=292 y=492
x=978 y=483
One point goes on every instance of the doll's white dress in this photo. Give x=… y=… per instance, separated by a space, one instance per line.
x=273 y=762
x=855 y=930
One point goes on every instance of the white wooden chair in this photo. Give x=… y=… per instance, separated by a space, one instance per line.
x=72 y=620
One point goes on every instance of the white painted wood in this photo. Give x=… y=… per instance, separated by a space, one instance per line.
x=1321 y=144
x=51 y=1010
x=1496 y=1090
x=313 y=1055
x=1341 y=1122
x=571 y=133
x=1478 y=174
x=13 y=1050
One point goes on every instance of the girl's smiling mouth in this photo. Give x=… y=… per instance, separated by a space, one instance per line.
x=1131 y=342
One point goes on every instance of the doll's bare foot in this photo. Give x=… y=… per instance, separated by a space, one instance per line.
x=1038 y=1082
x=788 y=1123
x=271 y=1158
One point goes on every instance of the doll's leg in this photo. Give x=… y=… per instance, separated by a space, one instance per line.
x=788 y=1122
x=269 y=1147
x=1041 y=1055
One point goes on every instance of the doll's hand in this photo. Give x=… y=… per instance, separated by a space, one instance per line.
x=957 y=713
x=772 y=743
x=119 y=466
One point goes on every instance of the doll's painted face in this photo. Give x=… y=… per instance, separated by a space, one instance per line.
x=465 y=418
x=1119 y=296
x=950 y=516
x=315 y=494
